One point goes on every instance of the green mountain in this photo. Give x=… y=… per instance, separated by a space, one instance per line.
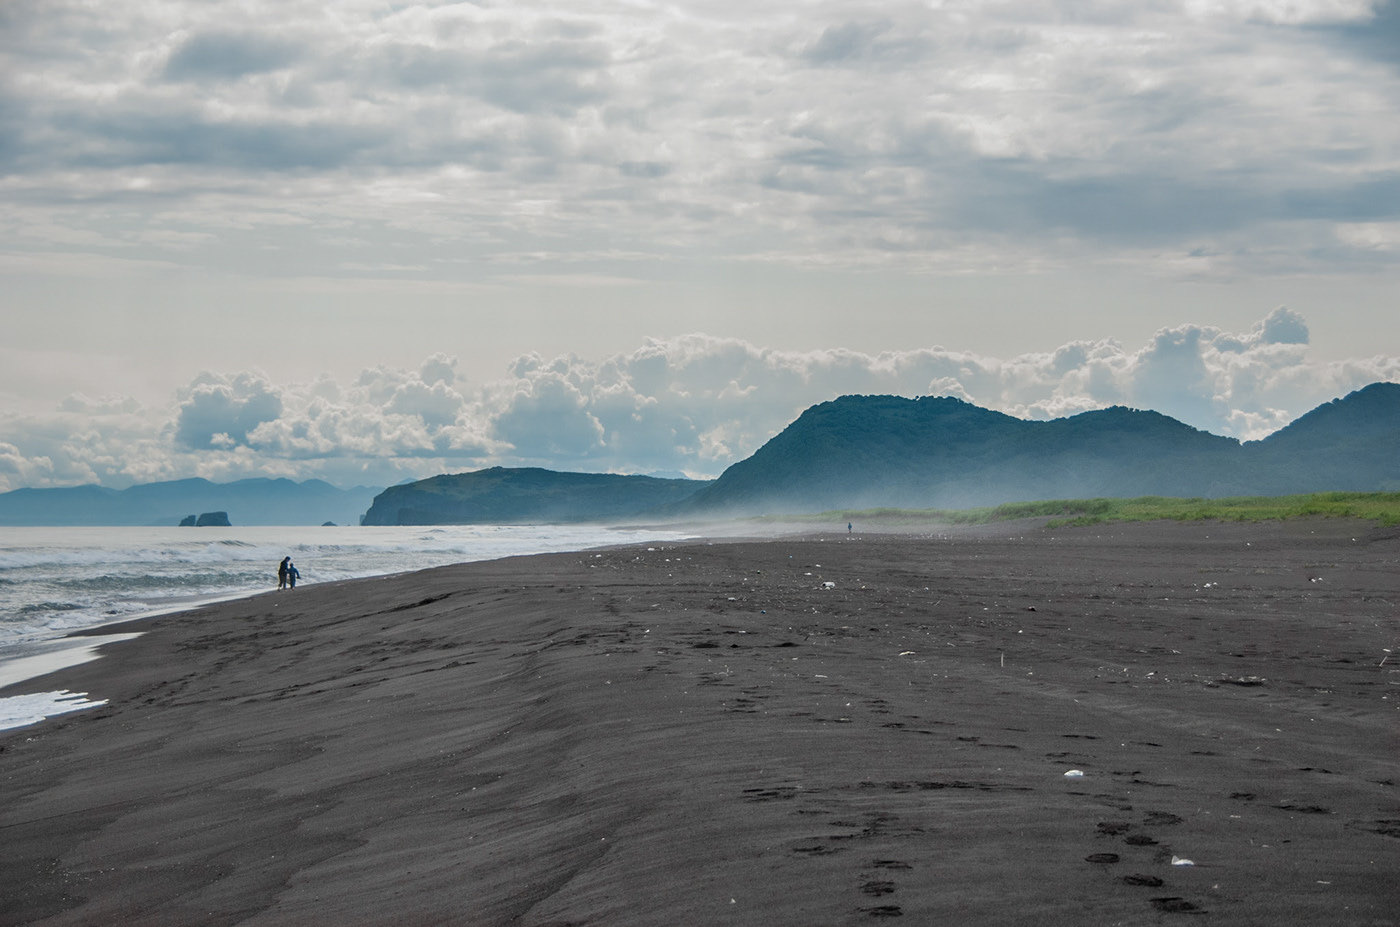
x=874 y=451
x=1348 y=444
x=530 y=495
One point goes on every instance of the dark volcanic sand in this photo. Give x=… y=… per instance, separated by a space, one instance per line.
x=703 y=734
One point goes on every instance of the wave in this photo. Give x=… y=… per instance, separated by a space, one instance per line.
x=30 y=608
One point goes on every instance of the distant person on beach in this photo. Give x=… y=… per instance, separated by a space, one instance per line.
x=293 y=574
x=848 y=527
x=282 y=572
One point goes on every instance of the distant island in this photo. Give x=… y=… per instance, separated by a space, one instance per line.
x=206 y=520
x=861 y=452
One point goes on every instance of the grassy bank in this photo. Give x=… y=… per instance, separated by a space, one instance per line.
x=1381 y=507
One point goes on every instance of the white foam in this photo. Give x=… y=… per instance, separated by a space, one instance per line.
x=21 y=710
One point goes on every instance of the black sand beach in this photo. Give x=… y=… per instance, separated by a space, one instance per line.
x=791 y=731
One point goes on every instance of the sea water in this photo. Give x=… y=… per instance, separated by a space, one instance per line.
x=57 y=580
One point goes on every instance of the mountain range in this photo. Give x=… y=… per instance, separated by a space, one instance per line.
x=873 y=451
x=247 y=502
x=850 y=453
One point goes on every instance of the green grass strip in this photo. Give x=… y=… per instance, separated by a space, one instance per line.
x=1380 y=507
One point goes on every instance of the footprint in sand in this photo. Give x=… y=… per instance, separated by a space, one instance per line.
x=1147 y=881
x=884 y=910
x=1161 y=819
x=1303 y=809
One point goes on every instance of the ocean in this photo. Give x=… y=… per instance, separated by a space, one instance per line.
x=57 y=580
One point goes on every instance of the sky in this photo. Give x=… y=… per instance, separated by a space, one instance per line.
x=370 y=241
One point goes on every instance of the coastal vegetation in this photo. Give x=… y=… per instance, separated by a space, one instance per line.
x=1380 y=507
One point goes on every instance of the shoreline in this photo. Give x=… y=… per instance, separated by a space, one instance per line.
x=55 y=642
x=26 y=660
x=814 y=729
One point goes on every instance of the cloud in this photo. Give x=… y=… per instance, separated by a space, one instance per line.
x=18 y=470
x=436 y=405
x=218 y=411
x=1377 y=35
x=939 y=137
x=1282 y=326
x=879 y=42
x=439 y=368
x=228 y=55
x=694 y=404
x=546 y=417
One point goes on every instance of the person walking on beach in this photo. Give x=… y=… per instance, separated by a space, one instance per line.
x=282 y=572
x=292 y=574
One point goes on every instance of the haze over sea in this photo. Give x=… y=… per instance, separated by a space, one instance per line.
x=57 y=580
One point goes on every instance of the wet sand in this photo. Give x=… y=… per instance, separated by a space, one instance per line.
x=712 y=734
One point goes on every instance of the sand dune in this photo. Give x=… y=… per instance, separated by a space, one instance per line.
x=789 y=731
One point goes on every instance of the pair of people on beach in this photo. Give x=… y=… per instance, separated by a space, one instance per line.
x=287 y=574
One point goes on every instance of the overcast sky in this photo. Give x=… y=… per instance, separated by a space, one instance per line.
x=368 y=241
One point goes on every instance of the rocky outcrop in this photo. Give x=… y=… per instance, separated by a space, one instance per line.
x=213 y=520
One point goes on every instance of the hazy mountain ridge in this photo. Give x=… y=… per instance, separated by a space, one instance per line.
x=258 y=501
x=502 y=496
x=872 y=451
x=851 y=452
x=1352 y=443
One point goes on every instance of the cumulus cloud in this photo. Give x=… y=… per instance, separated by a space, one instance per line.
x=1282 y=326
x=693 y=404
x=219 y=411
x=384 y=416
x=547 y=417
x=18 y=470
